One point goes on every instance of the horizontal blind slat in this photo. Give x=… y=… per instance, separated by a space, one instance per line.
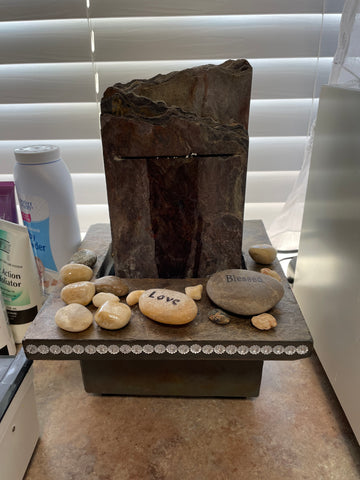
x=284 y=117
x=74 y=82
x=47 y=83
x=272 y=78
x=45 y=41
x=62 y=121
x=267 y=212
x=269 y=186
x=260 y=186
x=53 y=9
x=91 y=214
x=89 y=188
x=276 y=153
x=81 y=156
x=289 y=77
x=85 y=156
x=16 y=10
x=257 y=36
x=131 y=8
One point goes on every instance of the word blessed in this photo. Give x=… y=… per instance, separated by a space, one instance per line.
x=167 y=299
x=238 y=278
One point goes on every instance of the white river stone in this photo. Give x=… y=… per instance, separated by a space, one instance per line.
x=167 y=306
x=102 y=297
x=73 y=318
x=78 y=292
x=75 y=272
x=133 y=297
x=113 y=315
x=263 y=253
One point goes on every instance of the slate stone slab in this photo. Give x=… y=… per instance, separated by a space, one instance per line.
x=178 y=218
x=221 y=92
x=152 y=129
x=175 y=154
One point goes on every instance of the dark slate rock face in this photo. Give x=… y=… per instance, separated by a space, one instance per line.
x=175 y=154
x=221 y=92
x=151 y=129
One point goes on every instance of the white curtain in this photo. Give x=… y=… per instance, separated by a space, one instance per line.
x=285 y=229
x=56 y=59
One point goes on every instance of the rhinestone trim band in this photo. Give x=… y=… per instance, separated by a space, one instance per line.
x=171 y=348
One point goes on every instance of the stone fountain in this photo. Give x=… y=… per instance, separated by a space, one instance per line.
x=175 y=153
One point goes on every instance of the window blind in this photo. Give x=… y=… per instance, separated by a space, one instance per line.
x=57 y=58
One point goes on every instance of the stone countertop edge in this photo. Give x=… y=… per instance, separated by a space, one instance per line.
x=44 y=340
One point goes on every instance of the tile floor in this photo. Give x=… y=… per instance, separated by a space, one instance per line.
x=294 y=430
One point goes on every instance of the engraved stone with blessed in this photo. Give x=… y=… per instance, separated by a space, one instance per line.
x=175 y=153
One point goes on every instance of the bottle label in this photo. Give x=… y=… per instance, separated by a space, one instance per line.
x=12 y=283
x=35 y=215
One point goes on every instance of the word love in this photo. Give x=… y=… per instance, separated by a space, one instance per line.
x=167 y=299
x=167 y=306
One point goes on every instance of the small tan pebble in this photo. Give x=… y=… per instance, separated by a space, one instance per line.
x=75 y=272
x=133 y=297
x=113 y=315
x=102 y=297
x=219 y=317
x=194 y=292
x=264 y=253
x=84 y=256
x=271 y=273
x=265 y=321
x=167 y=306
x=111 y=284
x=73 y=318
x=79 y=292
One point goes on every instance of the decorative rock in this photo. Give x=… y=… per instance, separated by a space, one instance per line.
x=133 y=297
x=219 y=317
x=79 y=292
x=244 y=292
x=183 y=147
x=73 y=318
x=111 y=284
x=102 y=297
x=265 y=321
x=264 y=254
x=194 y=292
x=271 y=273
x=167 y=306
x=75 y=272
x=84 y=256
x=113 y=315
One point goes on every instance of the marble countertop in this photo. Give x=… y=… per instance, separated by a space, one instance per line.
x=295 y=429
